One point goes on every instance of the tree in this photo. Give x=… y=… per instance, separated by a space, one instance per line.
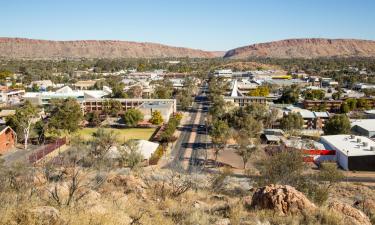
x=40 y=129
x=22 y=121
x=184 y=99
x=290 y=95
x=102 y=142
x=163 y=89
x=314 y=94
x=115 y=107
x=220 y=133
x=156 y=118
x=130 y=154
x=66 y=115
x=330 y=173
x=352 y=103
x=283 y=167
x=118 y=91
x=291 y=121
x=344 y=108
x=135 y=91
x=262 y=91
x=338 y=124
x=246 y=146
x=132 y=117
x=93 y=118
x=363 y=103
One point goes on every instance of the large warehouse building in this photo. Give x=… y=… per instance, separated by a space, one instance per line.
x=352 y=152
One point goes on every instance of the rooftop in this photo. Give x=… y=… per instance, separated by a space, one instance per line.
x=367 y=124
x=349 y=145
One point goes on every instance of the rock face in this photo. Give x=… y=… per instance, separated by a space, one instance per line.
x=42 y=49
x=283 y=199
x=351 y=215
x=306 y=48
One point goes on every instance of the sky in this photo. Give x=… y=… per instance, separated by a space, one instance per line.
x=203 y=24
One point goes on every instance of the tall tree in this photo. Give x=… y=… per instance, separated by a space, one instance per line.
x=66 y=115
x=22 y=121
x=220 y=134
x=338 y=124
x=291 y=121
x=132 y=117
x=246 y=146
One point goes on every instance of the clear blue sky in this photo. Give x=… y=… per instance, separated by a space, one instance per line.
x=204 y=24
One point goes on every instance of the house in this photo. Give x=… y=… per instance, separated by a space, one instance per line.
x=4 y=114
x=364 y=127
x=272 y=136
x=10 y=97
x=42 y=84
x=84 y=84
x=352 y=152
x=8 y=138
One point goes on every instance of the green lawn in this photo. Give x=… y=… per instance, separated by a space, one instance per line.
x=123 y=134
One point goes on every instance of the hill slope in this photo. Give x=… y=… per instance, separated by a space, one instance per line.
x=42 y=49
x=306 y=48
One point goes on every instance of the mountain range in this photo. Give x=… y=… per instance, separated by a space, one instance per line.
x=22 y=48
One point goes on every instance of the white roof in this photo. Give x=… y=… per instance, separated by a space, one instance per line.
x=306 y=114
x=367 y=124
x=321 y=114
x=147 y=148
x=346 y=145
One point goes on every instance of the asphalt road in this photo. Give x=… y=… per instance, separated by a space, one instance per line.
x=189 y=151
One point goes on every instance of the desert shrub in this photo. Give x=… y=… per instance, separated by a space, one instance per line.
x=155 y=157
x=218 y=180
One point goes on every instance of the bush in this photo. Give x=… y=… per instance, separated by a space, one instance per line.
x=156 y=156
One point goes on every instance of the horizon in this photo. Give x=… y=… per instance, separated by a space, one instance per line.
x=209 y=26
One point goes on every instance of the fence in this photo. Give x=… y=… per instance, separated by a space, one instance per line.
x=47 y=149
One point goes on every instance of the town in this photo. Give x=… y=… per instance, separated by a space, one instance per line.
x=256 y=122
x=187 y=112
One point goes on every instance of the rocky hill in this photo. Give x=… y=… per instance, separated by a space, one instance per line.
x=21 y=48
x=306 y=48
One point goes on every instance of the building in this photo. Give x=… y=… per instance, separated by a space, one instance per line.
x=352 y=152
x=4 y=114
x=311 y=119
x=42 y=84
x=329 y=105
x=242 y=101
x=146 y=106
x=364 y=127
x=165 y=108
x=223 y=73
x=8 y=139
x=84 y=84
x=44 y=98
x=9 y=97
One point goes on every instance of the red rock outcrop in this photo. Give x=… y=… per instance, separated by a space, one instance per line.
x=306 y=48
x=22 y=48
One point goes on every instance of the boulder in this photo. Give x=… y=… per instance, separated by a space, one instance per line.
x=224 y=221
x=130 y=183
x=351 y=215
x=284 y=199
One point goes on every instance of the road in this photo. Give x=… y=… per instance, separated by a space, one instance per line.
x=190 y=149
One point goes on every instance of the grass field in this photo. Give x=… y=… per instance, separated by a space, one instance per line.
x=123 y=134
